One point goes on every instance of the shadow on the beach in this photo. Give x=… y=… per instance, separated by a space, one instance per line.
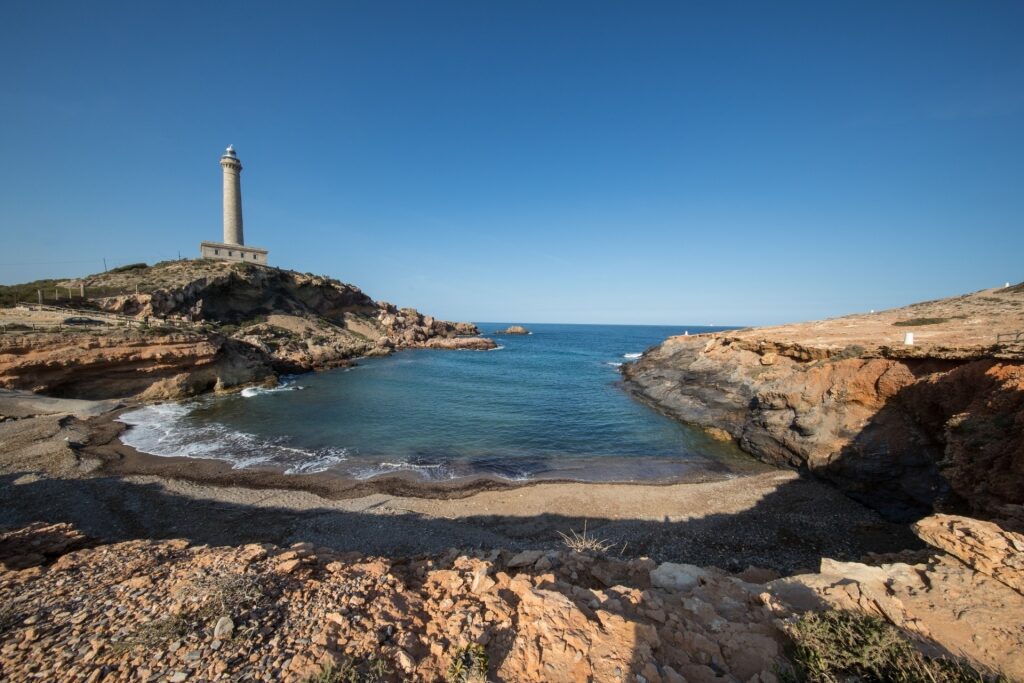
x=789 y=529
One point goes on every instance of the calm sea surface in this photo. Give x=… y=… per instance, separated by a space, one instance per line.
x=547 y=405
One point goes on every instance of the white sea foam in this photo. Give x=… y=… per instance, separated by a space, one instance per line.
x=328 y=458
x=632 y=356
x=614 y=365
x=249 y=392
x=165 y=430
x=427 y=471
x=499 y=347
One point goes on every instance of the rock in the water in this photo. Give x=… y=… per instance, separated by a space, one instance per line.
x=514 y=329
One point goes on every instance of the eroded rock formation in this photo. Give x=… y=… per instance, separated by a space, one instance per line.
x=905 y=429
x=198 y=326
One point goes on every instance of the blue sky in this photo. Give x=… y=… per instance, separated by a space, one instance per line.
x=538 y=161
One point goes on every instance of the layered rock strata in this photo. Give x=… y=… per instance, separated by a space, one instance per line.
x=905 y=429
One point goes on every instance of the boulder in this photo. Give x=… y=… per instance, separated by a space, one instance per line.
x=677 y=577
x=983 y=546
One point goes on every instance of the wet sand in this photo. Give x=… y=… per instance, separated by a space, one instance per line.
x=58 y=467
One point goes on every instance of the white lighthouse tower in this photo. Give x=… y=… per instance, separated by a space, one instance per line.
x=233 y=247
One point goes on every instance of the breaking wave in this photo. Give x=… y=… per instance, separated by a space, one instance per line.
x=165 y=430
x=249 y=392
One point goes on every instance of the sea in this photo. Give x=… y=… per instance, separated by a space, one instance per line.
x=548 y=405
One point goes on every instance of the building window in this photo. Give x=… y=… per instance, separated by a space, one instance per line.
x=216 y=251
x=230 y=254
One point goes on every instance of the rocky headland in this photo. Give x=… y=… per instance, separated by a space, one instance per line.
x=182 y=328
x=906 y=429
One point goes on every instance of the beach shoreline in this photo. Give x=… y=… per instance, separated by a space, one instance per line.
x=61 y=468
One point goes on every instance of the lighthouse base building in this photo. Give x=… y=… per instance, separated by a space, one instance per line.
x=232 y=252
x=233 y=247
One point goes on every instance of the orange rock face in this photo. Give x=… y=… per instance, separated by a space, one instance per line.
x=163 y=607
x=906 y=430
x=125 y=363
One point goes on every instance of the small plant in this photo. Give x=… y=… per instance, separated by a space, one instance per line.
x=341 y=672
x=468 y=665
x=225 y=594
x=207 y=598
x=155 y=634
x=851 y=351
x=376 y=670
x=582 y=543
x=838 y=646
x=349 y=670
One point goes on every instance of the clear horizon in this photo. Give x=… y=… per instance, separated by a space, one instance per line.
x=548 y=162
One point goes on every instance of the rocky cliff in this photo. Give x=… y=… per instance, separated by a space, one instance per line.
x=185 y=327
x=904 y=428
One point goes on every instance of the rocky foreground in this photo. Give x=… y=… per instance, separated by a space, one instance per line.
x=182 y=328
x=906 y=429
x=147 y=610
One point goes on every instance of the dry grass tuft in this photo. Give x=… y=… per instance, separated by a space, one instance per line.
x=350 y=670
x=156 y=634
x=207 y=598
x=225 y=594
x=583 y=543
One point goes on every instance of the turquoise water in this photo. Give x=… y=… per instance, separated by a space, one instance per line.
x=547 y=405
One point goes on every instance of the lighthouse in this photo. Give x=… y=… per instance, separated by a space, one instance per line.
x=232 y=197
x=233 y=247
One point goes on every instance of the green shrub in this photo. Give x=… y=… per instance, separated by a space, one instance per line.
x=128 y=268
x=468 y=665
x=28 y=292
x=917 y=322
x=838 y=646
x=851 y=351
